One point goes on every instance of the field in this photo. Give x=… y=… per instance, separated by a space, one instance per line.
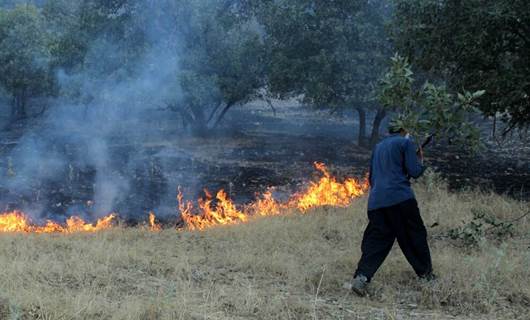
x=291 y=266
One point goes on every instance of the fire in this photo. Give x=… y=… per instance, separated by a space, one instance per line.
x=266 y=205
x=76 y=224
x=224 y=212
x=13 y=222
x=18 y=222
x=213 y=211
x=328 y=191
x=153 y=226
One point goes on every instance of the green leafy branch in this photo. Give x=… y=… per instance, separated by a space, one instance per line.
x=483 y=225
x=429 y=109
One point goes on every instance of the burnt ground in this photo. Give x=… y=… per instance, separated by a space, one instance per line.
x=254 y=150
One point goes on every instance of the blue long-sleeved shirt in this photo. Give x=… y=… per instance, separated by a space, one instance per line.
x=394 y=162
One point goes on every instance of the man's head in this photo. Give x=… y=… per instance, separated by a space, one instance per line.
x=394 y=128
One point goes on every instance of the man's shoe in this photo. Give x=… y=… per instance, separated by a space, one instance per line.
x=428 y=277
x=359 y=285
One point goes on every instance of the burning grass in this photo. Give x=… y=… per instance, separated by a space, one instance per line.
x=288 y=266
x=17 y=221
x=327 y=191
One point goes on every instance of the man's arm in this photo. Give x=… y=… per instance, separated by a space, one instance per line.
x=413 y=160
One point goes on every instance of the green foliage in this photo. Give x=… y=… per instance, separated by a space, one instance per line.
x=223 y=61
x=482 y=226
x=396 y=84
x=430 y=109
x=24 y=56
x=331 y=53
x=217 y=45
x=474 y=44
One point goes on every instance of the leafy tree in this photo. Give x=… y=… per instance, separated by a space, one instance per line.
x=97 y=39
x=474 y=44
x=218 y=49
x=331 y=53
x=429 y=109
x=222 y=62
x=24 y=57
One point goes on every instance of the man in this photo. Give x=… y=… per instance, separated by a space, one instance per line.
x=392 y=210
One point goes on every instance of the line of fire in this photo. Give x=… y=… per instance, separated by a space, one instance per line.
x=212 y=211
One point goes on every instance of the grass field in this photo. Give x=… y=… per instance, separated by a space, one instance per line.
x=285 y=267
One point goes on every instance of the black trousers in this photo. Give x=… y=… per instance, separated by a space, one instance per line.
x=402 y=222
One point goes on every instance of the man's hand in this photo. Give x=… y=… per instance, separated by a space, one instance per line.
x=420 y=153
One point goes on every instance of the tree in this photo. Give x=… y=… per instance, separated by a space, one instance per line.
x=331 y=53
x=24 y=57
x=429 y=109
x=473 y=44
x=218 y=51
x=95 y=40
x=222 y=62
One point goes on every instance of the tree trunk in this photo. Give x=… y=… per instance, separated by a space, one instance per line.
x=361 y=138
x=18 y=110
x=214 y=111
x=494 y=128
x=186 y=118
x=379 y=116
x=14 y=107
x=221 y=116
x=198 y=121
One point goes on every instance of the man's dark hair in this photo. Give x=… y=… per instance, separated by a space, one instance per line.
x=394 y=128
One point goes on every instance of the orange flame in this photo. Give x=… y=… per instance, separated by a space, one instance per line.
x=13 y=222
x=18 y=222
x=225 y=211
x=153 y=226
x=265 y=205
x=328 y=191
x=210 y=211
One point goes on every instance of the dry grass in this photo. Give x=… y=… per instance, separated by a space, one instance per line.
x=287 y=267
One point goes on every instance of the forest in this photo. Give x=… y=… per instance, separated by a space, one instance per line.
x=201 y=58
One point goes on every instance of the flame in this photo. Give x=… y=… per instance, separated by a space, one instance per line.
x=328 y=191
x=266 y=205
x=214 y=211
x=16 y=221
x=153 y=226
x=76 y=224
x=13 y=222
x=224 y=212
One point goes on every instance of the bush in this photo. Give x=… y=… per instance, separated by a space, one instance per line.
x=483 y=225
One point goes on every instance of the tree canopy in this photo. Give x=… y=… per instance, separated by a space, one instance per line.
x=222 y=62
x=473 y=44
x=24 y=56
x=216 y=53
x=331 y=55
x=210 y=55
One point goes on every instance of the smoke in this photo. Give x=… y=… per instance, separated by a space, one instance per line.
x=108 y=141
x=88 y=153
